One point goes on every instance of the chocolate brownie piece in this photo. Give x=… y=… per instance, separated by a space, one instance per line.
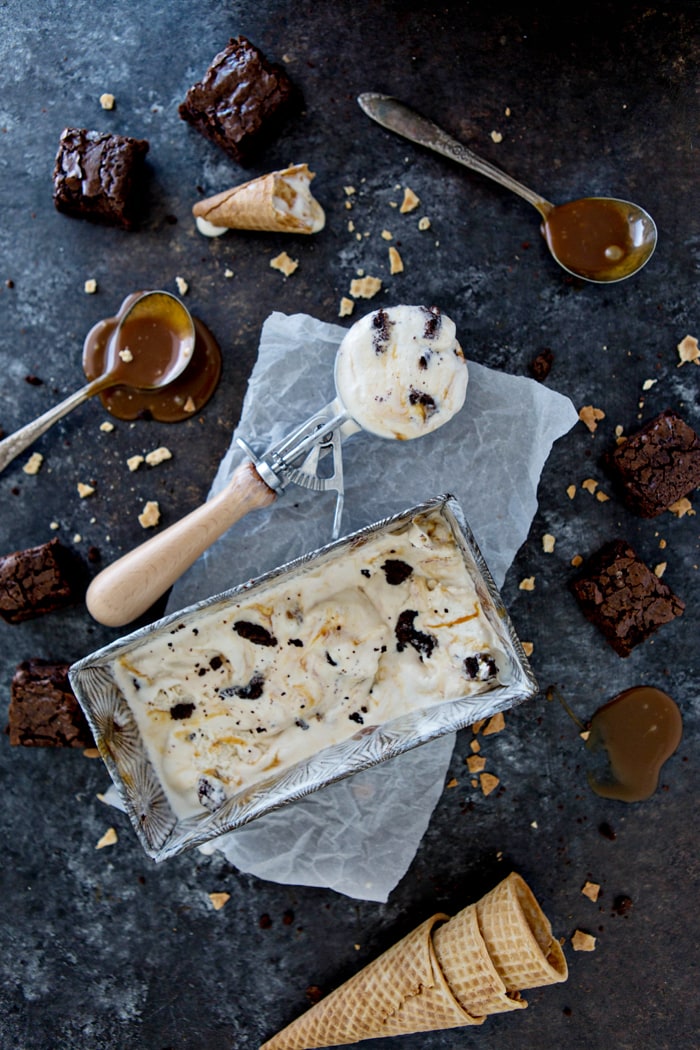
x=657 y=465
x=43 y=709
x=623 y=598
x=39 y=580
x=100 y=177
x=239 y=99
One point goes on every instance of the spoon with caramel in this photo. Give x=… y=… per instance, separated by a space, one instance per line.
x=600 y=239
x=149 y=348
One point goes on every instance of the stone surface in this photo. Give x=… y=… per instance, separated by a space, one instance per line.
x=100 y=947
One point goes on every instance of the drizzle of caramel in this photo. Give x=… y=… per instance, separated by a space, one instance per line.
x=630 y=739
x=180 y=399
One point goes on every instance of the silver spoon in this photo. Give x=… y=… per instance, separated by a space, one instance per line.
x=151 y=346
x=600 y=239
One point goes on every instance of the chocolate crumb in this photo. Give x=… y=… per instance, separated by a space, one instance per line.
x=396 y=571
x=181 y=711
x=607 y=831
x=34 y=380
x=433 y=321
x=407 y=634
x=622 y=905
x=265 y=922
x=254 y=632
x=541 y=365
x=357 y=717
x=314 y=993
x=382 y=325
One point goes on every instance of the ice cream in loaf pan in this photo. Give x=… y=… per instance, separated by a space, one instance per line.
x=237 y=693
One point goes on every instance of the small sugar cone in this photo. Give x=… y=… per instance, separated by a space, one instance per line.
x=402 y=991
x=518 y=937
x=251 y=206
x=464 y=959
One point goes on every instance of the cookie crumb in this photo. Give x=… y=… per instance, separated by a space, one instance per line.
x=85 y=490
x=284 y=264
x=158 y=455
x=90 y=286
x=395 y=261
x=218 y=900
x=150 y=515
x=107 y=100
x=33 y=464
x=688 y=350
x=346 y=307
x=134 y=462
x=410 y=201
x=583 y=942
x=108 y=839
x=182 y=285
x=365 y=287
x=591 y=416
x=489 y=783
x=591 y=890
x=528 y=584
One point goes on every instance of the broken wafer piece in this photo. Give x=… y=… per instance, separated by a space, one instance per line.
x=447 y=973
x=280 y=201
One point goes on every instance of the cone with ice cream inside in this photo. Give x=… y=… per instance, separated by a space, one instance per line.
x=445 y=974
x=280 y=201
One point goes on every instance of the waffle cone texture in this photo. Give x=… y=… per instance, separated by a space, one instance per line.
x=280 y=201
x=447 y=973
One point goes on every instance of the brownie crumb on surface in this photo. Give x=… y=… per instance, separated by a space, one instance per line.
x=100 y=177
x=657 y=465
x=621 y=596
x=43 y=710
x=239 y=100
x=39 y=580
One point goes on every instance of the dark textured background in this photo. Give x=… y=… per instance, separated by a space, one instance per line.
x=103 y=949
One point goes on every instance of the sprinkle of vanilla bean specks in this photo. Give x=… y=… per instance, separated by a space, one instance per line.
x=33 y=464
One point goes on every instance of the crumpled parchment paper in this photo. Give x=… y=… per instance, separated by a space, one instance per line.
x=360 y=835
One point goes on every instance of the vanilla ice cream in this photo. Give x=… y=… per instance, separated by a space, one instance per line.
x=244 y=689
x=400 y=372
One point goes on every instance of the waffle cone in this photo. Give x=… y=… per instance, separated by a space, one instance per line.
x=518 y=936
x=261 y=203
x=468 y=968
x=402 y=991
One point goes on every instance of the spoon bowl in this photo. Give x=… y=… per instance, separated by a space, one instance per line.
x=599 y=239
x=150 y=347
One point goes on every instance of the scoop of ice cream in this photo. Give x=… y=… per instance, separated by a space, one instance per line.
x=400 y=372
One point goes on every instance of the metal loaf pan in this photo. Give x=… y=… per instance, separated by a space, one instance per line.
x=160 y=832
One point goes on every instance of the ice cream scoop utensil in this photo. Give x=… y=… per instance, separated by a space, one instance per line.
x=124 y=365
x=599 y=239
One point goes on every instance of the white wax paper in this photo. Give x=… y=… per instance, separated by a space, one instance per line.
x=359 y=836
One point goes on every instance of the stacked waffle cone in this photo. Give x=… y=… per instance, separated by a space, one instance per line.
x=279 y=201
x=447 y=973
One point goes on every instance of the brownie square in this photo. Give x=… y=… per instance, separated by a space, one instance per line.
x=100 y=177
x=657 y=465
x=39 y=580
x=623 y=598
x=239 y=100
x=43 y=709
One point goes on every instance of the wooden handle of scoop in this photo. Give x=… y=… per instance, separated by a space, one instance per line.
x=128 y=587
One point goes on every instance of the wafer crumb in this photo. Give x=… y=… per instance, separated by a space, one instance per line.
x=108 y=839
x=488 y=782
x=346 y=307
x=688 y=351
x=91 y=752
x=590 y=485
x=682 y=507
x=571 y=491
x=106 y=427
x=476 y=726
x=601 y=496
x=386 y=235
x=475 y=745
x=585 y=734
x=452 y=783
x=591 y=890
x=158 y=455
x=424 y=223
x=189 y=405
x=107 y=100
x=134 y=462
x=395 y=261
x=577 y=560
x=528 y=584
x=284 y=264
x=476 y=763
x=591 y=416
x=365 y=287
x=496 y=136
x=54 y=525
x=528 y=648
x=548 y=542
x=90 y=286
x=33 y=464
x=410 y=201
x=126 y=355
x=218 y=900
x=150 y=515
x=228 y=272
x=496 y=724
x=649 y=383
x=85 y=490
x=77 y=538
x=182 y=285
x=660 y=569
x=583 y=942
x=349 y=190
